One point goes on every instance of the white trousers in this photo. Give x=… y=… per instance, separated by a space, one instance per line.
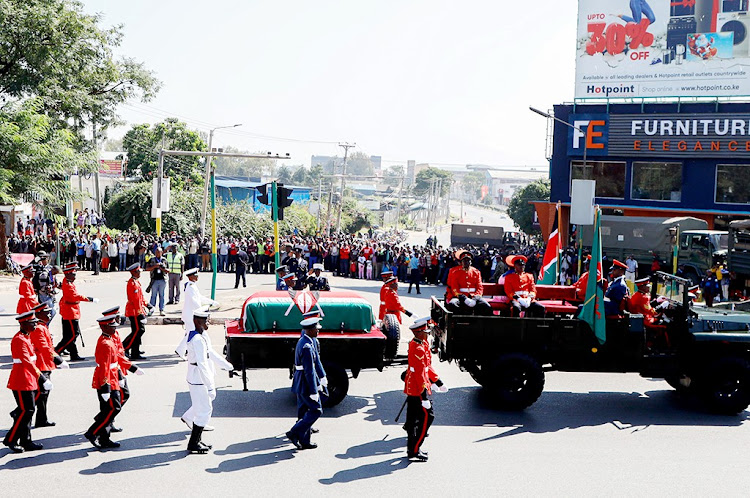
x=202 y=408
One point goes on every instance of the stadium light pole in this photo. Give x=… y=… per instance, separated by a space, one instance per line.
x=208 y=176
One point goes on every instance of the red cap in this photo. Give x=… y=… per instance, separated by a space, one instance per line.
x=620 y=264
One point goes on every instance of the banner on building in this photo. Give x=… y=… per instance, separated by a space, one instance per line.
x=662 y=48
x=110 y=167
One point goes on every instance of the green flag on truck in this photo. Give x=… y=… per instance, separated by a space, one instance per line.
x=592 y=311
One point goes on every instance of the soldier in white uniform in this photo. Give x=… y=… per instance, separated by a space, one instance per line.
x=200 y=377
x=194 y=300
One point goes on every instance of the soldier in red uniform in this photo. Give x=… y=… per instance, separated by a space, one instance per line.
x=135 y=311
x=47 y=360
x=640 y=303
x=464 y=288
x=27 y=299
x=520 y=289
x=70 y=312
x=24 y=381
x=390 y=304
x=106 y=381
x=420 y=381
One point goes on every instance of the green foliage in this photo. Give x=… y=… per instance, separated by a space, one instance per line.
x=472 y=184
x=392 y=175
x=244 y=167
x=284 y=174
x=36 y=157
x=143 y=142
x=307 y=177
x=519 y=209
x=422 y=180
x=355 y=217
x=359 y=164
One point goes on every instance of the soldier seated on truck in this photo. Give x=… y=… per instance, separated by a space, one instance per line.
x=617 y=296
x=521 y=290
x=640 y=303
x=464 y=288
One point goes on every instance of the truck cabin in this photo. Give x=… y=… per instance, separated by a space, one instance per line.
x=705 y=244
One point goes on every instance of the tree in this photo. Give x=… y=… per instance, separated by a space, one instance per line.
x=359 y=164
x=393 y=175
x=53 y=50
x=143 y=142
x=519 y=209
x=284 y=175
x=472 y=184
x=423 y=178
x=244 y=166
x=36 y=157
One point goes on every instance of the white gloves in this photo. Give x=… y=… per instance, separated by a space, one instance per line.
x=664 y=305
x=453 y=302
x=47 y=385
x=315 y=397
x=524 y=301
x=212 y=394
x=324 y=382
x=140 y=371
x=105 y=397
x=64 y=365
x=122 y=383
x=426 y=404
x=440 y=389
x=227 y=366
x=470 y=302
x=94 y=299
x=214 y=303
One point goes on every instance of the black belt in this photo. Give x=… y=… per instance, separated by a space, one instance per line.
x=194 y=364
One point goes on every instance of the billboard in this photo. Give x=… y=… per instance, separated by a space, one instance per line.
x=671 y=136
x=110 y=167
x=662 y=48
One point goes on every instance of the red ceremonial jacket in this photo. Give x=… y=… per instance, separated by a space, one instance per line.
x=517 y=282
x=458 y=279
x=419 y=375
x=640 y=303
x=43 y=348
x=389 y=303
x=136 y=301
x=123 y=360
x=28 y=296
x=107 y=364
x=69 y=307
x=24 y=375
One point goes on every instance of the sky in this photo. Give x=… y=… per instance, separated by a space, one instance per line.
x=443 y=82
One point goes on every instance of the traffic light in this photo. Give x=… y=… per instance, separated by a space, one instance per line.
x=285 y=199
x=263 y=194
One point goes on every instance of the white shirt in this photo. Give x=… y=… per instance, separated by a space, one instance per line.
x=193 y=301
x=201 y=358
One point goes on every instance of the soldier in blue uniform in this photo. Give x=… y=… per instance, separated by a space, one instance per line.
x=617 y=293
x=280 y=272
x=316 y=281
x=309 y=381
x=287 y=282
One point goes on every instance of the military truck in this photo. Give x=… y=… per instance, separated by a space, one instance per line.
x=644 y=236
x=699 y=351
x=463 y=234
x=738 y=255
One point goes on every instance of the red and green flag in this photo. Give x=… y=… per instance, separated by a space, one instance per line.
x=551 y=261
x=592 y=311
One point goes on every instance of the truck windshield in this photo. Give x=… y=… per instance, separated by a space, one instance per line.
x=723 y=242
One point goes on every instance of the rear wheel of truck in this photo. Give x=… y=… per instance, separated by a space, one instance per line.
x=726 y=388
x=338 y=385
x=677 y=385
x=514 y=381
x=392 y=330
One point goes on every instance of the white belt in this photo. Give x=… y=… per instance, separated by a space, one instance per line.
x=382 y=302
x=467 y=289
x=16 y=360
x=299 y=367
x=33 y=358
x=412 y=369
x=111 y=365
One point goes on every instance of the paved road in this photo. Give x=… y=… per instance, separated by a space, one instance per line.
x=589 y=434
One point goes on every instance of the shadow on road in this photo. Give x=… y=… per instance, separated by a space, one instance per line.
x=555 y=411
x=136 y=463
x=375 y=448
x=256 y=460
x=279 y=402
x=158 y=361
x=367 y=471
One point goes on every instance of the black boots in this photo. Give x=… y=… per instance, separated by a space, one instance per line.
x=195 y=445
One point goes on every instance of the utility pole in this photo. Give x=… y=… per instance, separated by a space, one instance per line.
x=320 y=193
x=208 y=176
x=328 y=213
x=160 y=176
x=346 y=147
x=400 y=196
x=96 y=172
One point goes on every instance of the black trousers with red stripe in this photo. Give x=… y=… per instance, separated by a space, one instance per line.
x=42 y=396
x=132 y=342
x=70 y=332
x=20 y=433
x=418 y=422
x=108 y=410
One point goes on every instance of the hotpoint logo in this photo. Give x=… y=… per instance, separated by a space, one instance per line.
x=606 y=90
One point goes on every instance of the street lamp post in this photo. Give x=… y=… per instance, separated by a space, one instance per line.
x=580 y=130
x=208 y=176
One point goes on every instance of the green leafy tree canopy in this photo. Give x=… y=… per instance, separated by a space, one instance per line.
x=519 y=209
x=423 y=178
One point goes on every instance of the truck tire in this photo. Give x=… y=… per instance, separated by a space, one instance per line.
x=726 y=388
x=674 y=382
x=474 y=370
x=338 y=385
x=392 y=332
x=515 y=381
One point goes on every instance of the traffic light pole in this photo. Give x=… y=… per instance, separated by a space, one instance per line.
x=275 y=217
x=213 y=231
